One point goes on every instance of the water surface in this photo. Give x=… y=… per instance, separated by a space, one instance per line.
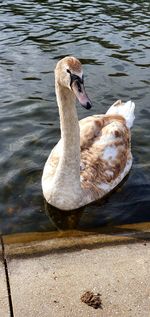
x=112 y=40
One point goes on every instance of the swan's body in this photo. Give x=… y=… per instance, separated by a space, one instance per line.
x=94 y=154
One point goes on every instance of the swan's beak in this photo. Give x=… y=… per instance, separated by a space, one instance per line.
x=79 y=91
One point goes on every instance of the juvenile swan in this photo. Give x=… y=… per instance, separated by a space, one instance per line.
x=94 y=154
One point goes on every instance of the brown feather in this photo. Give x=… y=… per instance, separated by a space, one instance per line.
x=74 y=64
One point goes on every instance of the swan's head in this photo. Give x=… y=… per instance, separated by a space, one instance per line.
x=69 y=74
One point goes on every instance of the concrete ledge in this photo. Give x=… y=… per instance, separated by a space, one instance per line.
x=49 y=272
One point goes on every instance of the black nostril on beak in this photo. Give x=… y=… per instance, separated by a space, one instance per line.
x=88 y=105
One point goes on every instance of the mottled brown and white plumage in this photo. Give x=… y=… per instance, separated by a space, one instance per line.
x=94 y=154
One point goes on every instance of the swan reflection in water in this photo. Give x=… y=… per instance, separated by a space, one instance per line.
x=63 y=220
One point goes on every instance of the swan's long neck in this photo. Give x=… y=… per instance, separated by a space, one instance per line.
x=66 y=182
x=70 y=133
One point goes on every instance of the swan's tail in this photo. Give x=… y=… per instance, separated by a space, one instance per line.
x=125 y=110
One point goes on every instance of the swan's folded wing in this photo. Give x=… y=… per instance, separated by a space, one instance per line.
x=90 y=128
x=105 y=154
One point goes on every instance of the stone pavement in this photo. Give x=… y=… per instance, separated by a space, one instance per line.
x=49 y=272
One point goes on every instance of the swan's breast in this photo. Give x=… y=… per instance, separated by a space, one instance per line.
x=50 y=169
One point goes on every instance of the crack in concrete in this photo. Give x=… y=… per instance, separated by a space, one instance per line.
x=7 y=277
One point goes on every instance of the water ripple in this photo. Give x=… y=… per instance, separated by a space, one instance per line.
x=112 y=40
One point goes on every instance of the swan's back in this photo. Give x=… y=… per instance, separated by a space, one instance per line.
x=105 y=151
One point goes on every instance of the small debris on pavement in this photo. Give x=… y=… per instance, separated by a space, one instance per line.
x=92 y=299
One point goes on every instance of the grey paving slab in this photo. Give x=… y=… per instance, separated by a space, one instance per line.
x=4 y=304
x=51 y=285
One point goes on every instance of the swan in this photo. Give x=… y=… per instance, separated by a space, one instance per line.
x=94 y=154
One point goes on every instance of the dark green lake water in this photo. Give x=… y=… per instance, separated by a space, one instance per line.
x=112 y=40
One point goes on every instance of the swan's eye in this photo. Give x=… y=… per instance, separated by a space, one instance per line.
x=74 y=77
x=68 y=71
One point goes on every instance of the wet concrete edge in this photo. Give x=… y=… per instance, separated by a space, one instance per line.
x=42 y=243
